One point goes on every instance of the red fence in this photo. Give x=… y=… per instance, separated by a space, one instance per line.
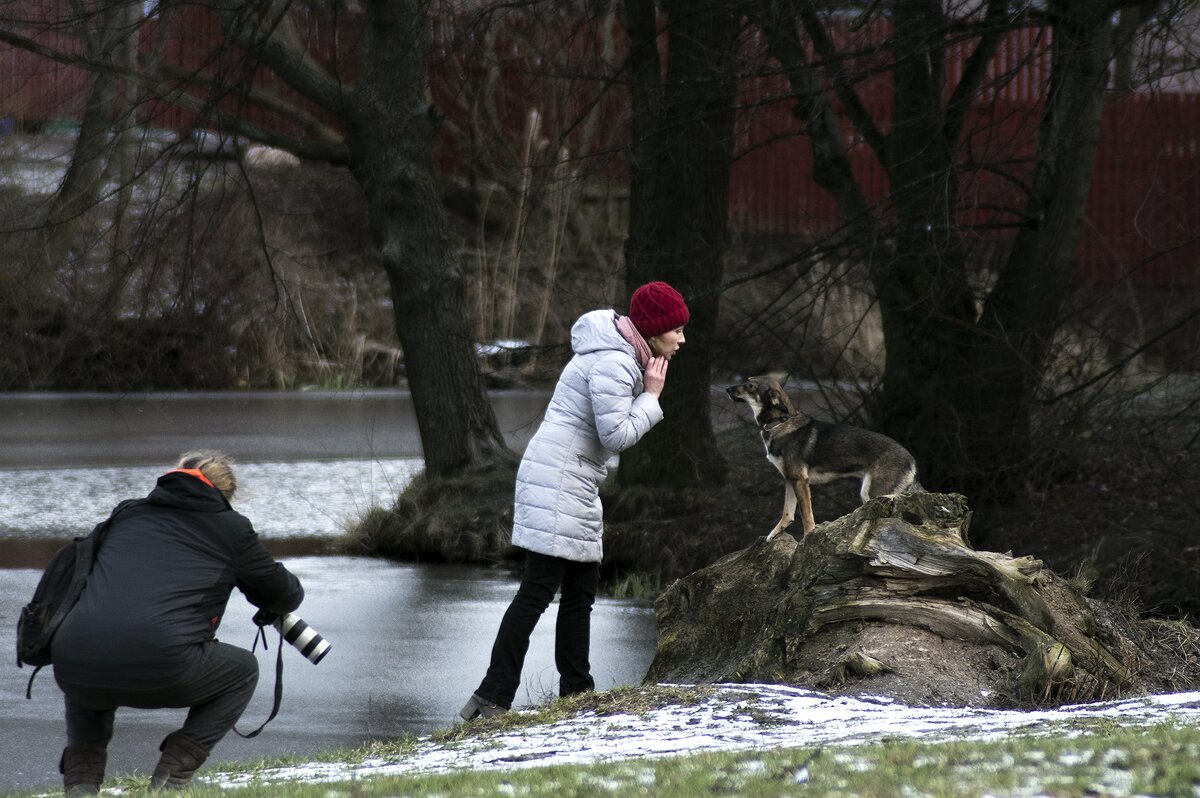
x=1141 y=219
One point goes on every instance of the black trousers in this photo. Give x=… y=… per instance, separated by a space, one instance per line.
x=216 y=689
x=541 y=579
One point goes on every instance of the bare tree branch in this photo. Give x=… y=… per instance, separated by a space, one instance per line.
x=325 y=136
x=854 y=108
x=328 y=146
x=269 y=33
x=992 y=32
x=831 y=165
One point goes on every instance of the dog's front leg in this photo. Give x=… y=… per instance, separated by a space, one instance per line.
x=789 y=510
x=802 y=490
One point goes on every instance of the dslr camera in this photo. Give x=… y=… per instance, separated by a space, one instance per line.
x=303 y=637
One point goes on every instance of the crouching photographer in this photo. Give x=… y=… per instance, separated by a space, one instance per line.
x=143 y=633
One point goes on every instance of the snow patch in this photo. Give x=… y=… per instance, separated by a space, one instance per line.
x=737 y=717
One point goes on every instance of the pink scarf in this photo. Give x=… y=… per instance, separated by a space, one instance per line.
x=641 y=349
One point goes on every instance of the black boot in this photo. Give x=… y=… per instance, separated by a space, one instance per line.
x=181 y=755
x=82 y=767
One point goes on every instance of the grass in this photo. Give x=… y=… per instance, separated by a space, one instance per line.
x=1098 y=758
x=637 y=585
x=1095 y=755
x=626 y=700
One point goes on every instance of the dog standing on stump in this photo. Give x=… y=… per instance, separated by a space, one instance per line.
x=811 y=452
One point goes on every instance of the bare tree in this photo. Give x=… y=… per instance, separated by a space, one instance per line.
x=962 y=368
x=389 y=123
x=380 y=125
x=102 y=34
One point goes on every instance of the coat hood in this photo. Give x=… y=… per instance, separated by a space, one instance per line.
x=597 y=331
x=181 y=490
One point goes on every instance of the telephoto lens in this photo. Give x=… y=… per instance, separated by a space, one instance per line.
x=303 y=637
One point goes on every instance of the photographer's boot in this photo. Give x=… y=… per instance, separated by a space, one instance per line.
x=181 y=755
x=479 y=707
x=82 y=767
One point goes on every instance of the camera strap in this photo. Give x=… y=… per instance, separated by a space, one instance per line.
x=262 y=634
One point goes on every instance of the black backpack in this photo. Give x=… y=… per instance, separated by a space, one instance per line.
x=56 y=594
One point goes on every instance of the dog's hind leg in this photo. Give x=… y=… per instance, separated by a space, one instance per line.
x=864 y=491
x=801 y=488
x=789 y=510
x=882 y=482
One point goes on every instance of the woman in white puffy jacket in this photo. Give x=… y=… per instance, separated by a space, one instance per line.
x=606 y=399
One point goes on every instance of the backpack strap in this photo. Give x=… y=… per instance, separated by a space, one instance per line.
x=102 y=528
x=29 y=686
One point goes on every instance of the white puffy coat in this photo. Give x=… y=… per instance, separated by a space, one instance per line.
x=598 y=409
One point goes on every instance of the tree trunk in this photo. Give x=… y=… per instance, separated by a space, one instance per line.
x=79 y=190
x=389 y=124
x=925 y=301
x=958 y=387
x=390 y=142
x=126 y=153
x=892 y=599
x=679 y=198
x=1023 y=311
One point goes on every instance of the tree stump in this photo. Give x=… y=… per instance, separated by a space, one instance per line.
x=892 y=600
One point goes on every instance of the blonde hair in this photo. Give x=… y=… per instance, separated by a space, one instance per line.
x=216 y=466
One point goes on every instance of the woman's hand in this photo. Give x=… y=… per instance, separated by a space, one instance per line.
x=656 y=376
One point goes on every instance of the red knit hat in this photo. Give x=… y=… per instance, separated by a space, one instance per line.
x=656 y=308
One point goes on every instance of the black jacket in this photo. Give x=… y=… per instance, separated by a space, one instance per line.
x=163 y=576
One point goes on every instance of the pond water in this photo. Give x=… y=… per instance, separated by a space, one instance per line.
x=410 y=642
x=94 y=429
x=308 y=463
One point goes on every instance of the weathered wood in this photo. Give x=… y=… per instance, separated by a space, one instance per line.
x=947 y=619
x=894 y=593
x=858 y=664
